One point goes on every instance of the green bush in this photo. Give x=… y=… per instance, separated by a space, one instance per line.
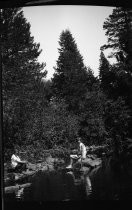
x=60 y=152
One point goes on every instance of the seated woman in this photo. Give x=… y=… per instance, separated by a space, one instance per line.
x=16 y=162
x=81 y=155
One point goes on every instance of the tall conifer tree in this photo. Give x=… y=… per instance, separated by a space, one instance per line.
x=69 y=81
x=104 y=72
x=118 y=31
x=21 y=72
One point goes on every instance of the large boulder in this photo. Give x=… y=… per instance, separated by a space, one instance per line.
x=91 y=163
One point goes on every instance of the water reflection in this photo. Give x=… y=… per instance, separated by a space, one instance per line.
x=100 y=184
x=88 y=186
x=19 y=193
x=55 y=186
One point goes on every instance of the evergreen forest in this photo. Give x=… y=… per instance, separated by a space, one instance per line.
x=41 y=114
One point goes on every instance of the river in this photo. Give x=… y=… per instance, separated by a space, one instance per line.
x=100 y=184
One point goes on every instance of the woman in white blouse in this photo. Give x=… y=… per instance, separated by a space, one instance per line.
x=81 y=155
x=82 y=149
x=16 y=162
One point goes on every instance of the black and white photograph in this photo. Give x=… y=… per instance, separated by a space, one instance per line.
x=66 y=102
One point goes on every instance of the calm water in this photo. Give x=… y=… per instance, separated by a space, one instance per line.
x=61 y=186
x=53 y=186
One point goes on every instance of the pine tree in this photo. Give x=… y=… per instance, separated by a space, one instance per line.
x=117 y=31
x=69 y=81
x=104 y=73
x=19 y=51
x=21 y=72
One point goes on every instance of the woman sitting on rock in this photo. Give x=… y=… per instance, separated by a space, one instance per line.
x=16 y=162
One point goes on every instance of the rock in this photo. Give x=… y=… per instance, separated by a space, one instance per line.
x=32 y=166
x=9 y=179
x=13 y=178
x=91 y=163
x=85 y=170
x=50 y=160
x=11 y=189
x=59 y=164
x=44 y=168
x=50 y=167
x=92 y=156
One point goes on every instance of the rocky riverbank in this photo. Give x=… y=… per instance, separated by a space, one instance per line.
x=17 y=180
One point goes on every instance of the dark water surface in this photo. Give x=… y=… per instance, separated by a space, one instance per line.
x=101 y=184
x=53 y=186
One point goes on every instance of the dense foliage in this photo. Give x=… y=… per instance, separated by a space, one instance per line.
x=21 y=75
x=40 y=114
x=119 y=77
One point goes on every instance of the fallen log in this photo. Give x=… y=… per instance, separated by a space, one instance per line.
x=11 y=189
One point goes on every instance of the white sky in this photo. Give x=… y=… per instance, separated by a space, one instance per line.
x=84 y=22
